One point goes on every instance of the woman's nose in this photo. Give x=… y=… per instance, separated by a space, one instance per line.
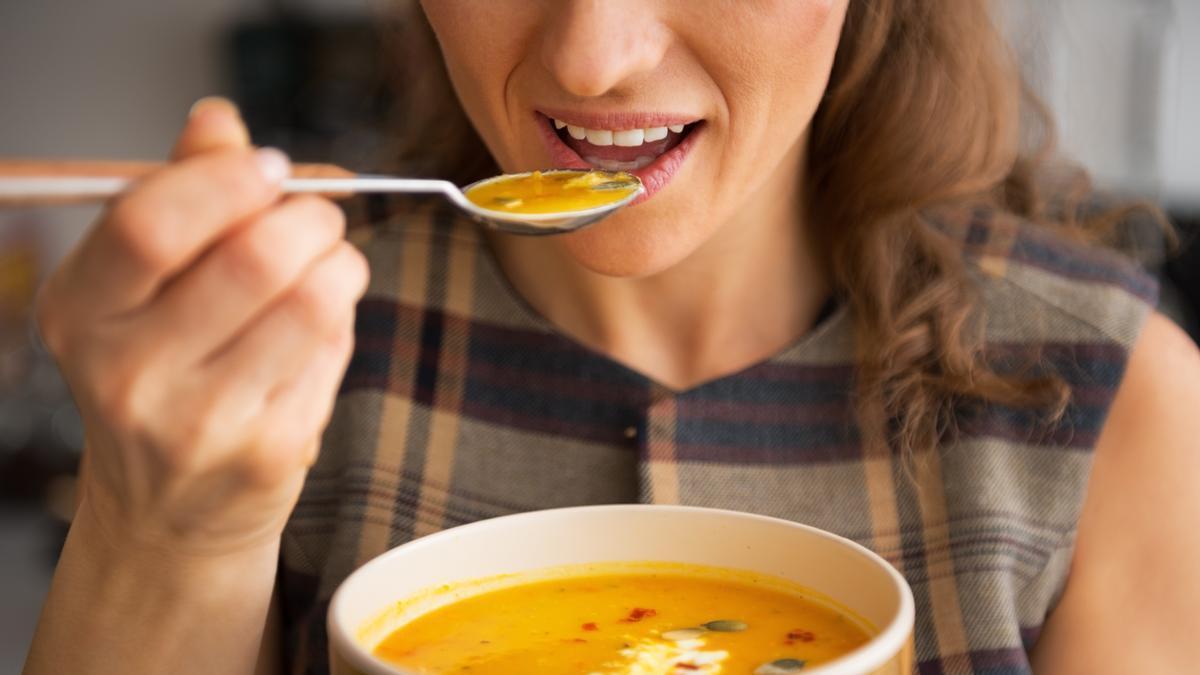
x=592 y=46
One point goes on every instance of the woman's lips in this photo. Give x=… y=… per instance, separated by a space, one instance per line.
x=654 y=176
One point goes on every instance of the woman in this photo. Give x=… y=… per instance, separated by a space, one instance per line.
x=834 y=307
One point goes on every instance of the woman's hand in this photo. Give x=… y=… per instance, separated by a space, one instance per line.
x=203 y=326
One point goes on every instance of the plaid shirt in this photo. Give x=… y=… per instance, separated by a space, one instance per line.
x=461 y=403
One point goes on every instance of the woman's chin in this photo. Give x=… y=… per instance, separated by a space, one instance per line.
x=633 y=245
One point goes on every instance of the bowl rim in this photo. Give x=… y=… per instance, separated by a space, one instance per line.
x=885 y=645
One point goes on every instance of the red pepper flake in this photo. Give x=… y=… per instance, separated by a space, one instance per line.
x=638 y=614
x=590 y=626
x=799 y=635
x=687 y=666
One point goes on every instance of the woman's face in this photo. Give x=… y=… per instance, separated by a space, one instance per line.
x=742 y=78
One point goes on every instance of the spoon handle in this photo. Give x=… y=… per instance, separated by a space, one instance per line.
x=54 y=182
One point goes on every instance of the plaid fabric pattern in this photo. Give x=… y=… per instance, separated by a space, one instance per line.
x=460 y=404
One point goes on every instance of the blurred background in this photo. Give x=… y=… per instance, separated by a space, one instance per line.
x=115 y=79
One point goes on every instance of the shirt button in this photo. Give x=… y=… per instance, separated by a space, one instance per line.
x=631 y=432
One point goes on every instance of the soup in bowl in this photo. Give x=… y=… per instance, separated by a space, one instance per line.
x=626 y=589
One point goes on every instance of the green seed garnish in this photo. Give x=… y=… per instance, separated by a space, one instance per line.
x=683 y=634
x=780 y=667
x=726 y=626
x=615 y=185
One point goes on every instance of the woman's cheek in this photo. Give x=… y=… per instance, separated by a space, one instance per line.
x=815 y=24
x=483 y=43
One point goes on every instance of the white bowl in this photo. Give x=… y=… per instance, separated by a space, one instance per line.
x=364 y=609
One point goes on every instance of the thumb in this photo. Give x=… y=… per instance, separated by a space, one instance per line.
x=213 y=124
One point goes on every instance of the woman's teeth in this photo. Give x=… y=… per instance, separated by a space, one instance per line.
x=629 y=138
x=619 y=150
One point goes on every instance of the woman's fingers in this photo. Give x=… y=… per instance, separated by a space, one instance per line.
x=243 y=274
x=285 y=367
x=281 y=342
x=204 y=326
x=91 y=280
x=205 y=416
x=305 y=405
x=298 y=411
x=213 y=124
x=165 y=222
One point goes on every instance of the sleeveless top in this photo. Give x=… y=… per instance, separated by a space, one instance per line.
x=461 y=403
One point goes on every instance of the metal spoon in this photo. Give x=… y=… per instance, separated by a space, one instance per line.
x=39 y=183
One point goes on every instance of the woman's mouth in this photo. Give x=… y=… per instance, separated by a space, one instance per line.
x=653 y=148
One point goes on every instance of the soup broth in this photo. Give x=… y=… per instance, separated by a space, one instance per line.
x=554 y=191
x=645 y=623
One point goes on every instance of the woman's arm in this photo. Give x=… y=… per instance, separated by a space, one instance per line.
x=94 y=571
x=119 y=607
x=1133 y=596
x=270 y=652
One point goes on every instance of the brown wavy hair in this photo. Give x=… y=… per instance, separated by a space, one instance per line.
x=924 y=108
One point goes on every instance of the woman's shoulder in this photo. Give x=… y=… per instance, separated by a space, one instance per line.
x=1039 y=282
x=1137 y=523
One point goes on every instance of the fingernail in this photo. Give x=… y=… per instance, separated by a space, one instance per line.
x=274 y=165
x=210 y=102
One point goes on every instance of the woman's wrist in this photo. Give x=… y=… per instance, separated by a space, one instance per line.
x=124 y=552
x=107 y=527
x=119 y=604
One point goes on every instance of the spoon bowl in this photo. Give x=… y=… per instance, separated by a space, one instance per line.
x=540 y=223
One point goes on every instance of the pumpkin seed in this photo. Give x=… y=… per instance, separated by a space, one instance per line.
x=726 y=626
x=780 y=667
x=614 y=185
x=683 y=634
